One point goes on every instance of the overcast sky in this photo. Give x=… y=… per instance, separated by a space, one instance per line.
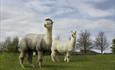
x=19 y=17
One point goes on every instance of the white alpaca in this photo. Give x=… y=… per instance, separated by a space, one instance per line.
x=67 y=47
x=36 y=42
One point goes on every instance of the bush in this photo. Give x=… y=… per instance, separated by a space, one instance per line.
x=12 y=46
x=113 y=46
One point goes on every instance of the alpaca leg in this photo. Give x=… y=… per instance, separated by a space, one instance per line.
x=53 y=55
x=21 y=58
x=40 y=58
x=68 y=57
x=65 y=59
x=30 y=55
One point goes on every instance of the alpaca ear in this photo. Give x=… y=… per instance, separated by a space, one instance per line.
x=75 y=32
x=48 y=19
x=44 y=25
x=52 y=22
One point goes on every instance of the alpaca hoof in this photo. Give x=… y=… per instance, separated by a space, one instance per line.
x=40 y=67
x=33 y=65
x=53 y=61
x=22 y=66
x=65 y=60
x=68 y=61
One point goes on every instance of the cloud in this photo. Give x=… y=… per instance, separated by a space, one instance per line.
x=92 y=11
x=19 y=17
x=63 y=27
x=38 y=6
x=107 y=4
x=59 y=8
x=17 y=21
x=23 y=16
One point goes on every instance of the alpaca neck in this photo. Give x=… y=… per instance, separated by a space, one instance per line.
x=72 y=41
x=48 y=37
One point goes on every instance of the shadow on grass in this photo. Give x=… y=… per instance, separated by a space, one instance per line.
x=50 y=66
x=28 y=66
x=79 y=59
x=58 y=66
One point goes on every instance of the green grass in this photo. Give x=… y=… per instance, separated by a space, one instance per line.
x=9 y=61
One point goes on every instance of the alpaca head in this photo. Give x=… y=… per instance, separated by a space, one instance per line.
x=48 y=23
x=73 y=38
x=73 y=35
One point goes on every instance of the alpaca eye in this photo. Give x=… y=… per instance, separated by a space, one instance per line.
x=52 y=22
x=72 y=35
x=44 y=25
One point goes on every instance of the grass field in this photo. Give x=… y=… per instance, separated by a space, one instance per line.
x=9 y=61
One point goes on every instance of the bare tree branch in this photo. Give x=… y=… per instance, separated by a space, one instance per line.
x=101 y=41
x=84 y=41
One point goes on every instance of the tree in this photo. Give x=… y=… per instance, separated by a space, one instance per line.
x=9 y=45
x=84 y=41
x=6 y=44
x=2 y=46
x=13 y=46
x=15 y=43
x=101 y=42
x=113 y=46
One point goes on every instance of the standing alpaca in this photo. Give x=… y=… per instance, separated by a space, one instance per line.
x=36 y=42
x=66 y=47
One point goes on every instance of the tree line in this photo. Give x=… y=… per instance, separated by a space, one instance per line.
x=9 y=45
x=84 y=42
